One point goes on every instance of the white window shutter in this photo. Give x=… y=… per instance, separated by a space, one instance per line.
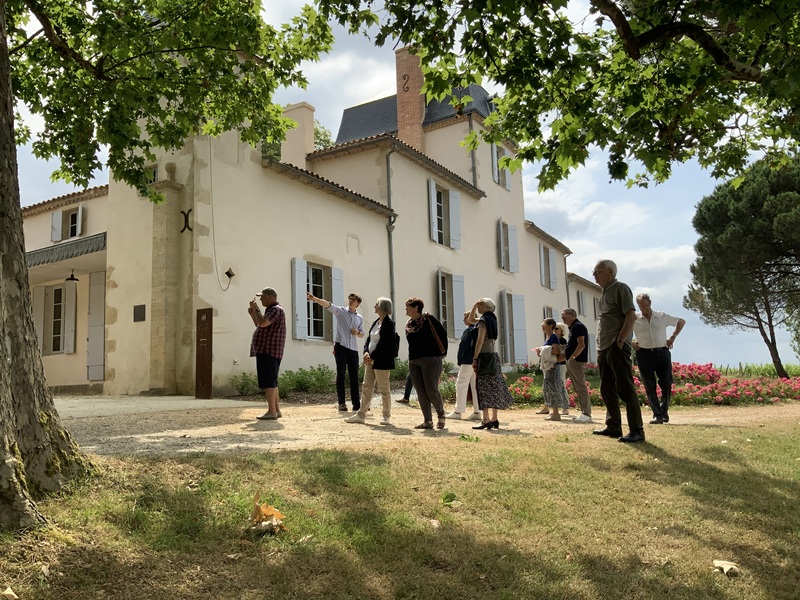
x=459 y=305
x=299 y=287
x=495 y=170
x=553 y=270
x=513 y=251
x=432 y=210
x=501 y=255
x=520 y=355
x=70 y=310
x=455 y=219
x=79 y=227
x=508 y=179
x=55 y=226
x=38 y=314
x=337 y=293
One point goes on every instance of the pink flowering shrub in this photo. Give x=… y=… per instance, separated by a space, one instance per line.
x=527 y=390
x=693 y=385
x=731 y=391
x=694 y=373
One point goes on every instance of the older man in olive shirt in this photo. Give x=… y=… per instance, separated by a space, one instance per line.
x=617 y=315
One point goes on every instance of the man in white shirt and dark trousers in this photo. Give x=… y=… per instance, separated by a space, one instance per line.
x=350 y=327
x=653 y=354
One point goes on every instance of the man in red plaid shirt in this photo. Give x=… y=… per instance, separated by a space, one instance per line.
x=267 y=345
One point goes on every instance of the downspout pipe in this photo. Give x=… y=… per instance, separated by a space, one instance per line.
x=390 y=228
x=566 y=279
x=472 y=155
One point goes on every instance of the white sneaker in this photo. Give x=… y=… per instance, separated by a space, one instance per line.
x=386 y=421
x=355 y=419
x=582 y=418
x=476 y=416
x=454 y=415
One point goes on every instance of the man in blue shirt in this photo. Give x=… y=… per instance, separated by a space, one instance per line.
x=350 y=327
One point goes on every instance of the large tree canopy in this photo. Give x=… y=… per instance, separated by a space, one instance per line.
x=747 y=272
x=651 y=82
x=138 y=74
x=132 y=75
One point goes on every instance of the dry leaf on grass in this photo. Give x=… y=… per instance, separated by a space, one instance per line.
x=265 y=518
x=730 y=569
x=9 y=593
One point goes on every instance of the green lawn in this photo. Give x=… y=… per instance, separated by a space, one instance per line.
x=550 y=515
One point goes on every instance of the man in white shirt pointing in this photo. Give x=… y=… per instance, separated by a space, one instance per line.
x=653 y=354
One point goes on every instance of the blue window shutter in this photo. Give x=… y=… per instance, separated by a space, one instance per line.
x=513 y=251
x=432 y=210
x=459 y=306
x=337 y=293
x=455 y=219
x=495 y=170
x=299 y=288
x=553 y=269
x=520 y=329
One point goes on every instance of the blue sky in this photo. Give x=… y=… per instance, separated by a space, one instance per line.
x=647 y=232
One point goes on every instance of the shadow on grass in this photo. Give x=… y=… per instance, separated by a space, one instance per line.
x=726 y=490
x=347 y=541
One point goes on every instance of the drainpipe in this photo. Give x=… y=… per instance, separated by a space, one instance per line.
x=472 y=155
x=566 y=279
x=390 y=228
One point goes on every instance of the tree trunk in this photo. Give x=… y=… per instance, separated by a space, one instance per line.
x=772 y=345
x=37 y=454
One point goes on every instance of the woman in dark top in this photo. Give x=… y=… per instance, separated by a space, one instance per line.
x=379 y=352
x=427 y=345
x=492 y=389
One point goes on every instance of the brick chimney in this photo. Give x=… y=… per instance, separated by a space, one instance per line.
x=410 y=101
x=300 y=140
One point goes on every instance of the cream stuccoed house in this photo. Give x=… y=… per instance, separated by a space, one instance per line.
x=135 y=298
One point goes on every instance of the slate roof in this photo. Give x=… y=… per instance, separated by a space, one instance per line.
x=380 y=116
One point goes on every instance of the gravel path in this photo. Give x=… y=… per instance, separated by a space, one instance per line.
x=231 y=426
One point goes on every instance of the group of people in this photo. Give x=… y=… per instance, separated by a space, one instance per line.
x=620 y=329
x=479 y=364
x=618 y=323
x=479 y=376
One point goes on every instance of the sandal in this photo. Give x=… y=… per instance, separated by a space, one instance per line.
x=440 y=423
x=425 y=425
x=544 y=411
